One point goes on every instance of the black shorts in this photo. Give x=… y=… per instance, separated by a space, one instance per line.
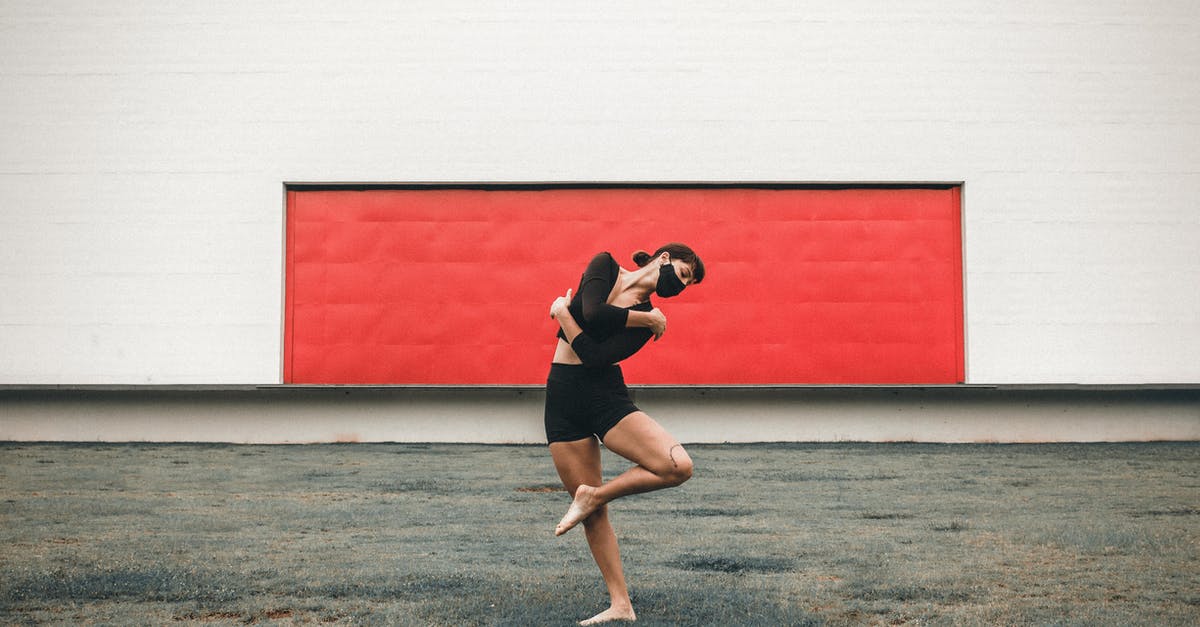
x=583 y=402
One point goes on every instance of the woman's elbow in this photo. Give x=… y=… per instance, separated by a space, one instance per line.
x=591 y=313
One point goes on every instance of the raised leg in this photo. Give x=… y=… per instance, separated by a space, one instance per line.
x=661 y=462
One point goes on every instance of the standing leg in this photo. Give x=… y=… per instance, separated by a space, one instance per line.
x=578 y=463
x=661 y=463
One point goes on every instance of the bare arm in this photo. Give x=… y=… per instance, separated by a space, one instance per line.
x=558 y=311
x=653 y=320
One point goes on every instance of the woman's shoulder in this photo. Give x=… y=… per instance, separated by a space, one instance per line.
x=604 y=262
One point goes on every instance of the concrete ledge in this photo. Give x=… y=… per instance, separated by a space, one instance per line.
x=10 y=389
x=294 y=414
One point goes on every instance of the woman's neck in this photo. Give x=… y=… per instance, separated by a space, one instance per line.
x=635 y=286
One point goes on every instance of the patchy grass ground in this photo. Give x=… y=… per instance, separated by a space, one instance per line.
x=837 y=534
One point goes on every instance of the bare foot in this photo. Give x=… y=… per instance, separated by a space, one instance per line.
x=611 y=614
x=584 y=504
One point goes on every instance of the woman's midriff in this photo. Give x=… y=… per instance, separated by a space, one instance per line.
x=564 y=354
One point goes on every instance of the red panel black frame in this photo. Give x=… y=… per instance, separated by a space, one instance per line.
x=450 y=284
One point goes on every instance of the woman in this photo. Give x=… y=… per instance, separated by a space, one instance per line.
x=609 y=319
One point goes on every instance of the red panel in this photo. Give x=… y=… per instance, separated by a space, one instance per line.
x=858 y=286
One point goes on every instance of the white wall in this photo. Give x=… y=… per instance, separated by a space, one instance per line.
x=303 y=415
x=143 y=148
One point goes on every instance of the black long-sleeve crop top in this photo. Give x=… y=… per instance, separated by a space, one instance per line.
x=605 y=339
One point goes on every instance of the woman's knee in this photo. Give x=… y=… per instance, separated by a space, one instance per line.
x=680 y=468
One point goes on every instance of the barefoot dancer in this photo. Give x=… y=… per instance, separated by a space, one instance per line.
x=608 y=320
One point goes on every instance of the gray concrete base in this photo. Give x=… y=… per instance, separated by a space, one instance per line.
x=282 y=414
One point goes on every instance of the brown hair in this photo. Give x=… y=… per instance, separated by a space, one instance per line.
x=677 y=251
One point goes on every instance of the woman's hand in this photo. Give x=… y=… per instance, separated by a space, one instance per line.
x=560 y=305
x=658 y=322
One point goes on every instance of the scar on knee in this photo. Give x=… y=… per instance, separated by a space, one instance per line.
x=671 y=454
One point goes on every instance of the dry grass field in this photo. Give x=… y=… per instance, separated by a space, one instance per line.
x=389 y=534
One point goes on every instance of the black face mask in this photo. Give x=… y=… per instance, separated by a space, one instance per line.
x=669 y=283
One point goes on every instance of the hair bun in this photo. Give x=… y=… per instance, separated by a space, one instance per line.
x=641 y=258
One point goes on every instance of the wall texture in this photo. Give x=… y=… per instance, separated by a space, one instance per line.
x=144 y=147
